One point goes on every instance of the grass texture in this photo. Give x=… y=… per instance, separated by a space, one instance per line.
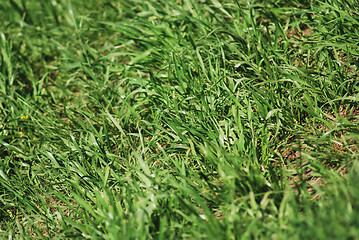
x=188 y=119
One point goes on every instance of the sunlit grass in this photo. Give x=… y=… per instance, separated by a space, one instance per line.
x=179 y=119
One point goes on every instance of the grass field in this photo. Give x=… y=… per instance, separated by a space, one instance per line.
x=188 y=119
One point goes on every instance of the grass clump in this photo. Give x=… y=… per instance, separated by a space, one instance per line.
x=179 y=119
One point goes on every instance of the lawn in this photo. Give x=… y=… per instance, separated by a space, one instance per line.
x=187 y=119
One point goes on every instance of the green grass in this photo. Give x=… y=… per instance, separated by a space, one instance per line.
x=179 y=119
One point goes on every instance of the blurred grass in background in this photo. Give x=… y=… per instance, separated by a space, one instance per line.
x=179 y=119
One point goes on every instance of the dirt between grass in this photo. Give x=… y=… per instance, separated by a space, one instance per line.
x=304 y=31
x=339 y=148
x=57 y=207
